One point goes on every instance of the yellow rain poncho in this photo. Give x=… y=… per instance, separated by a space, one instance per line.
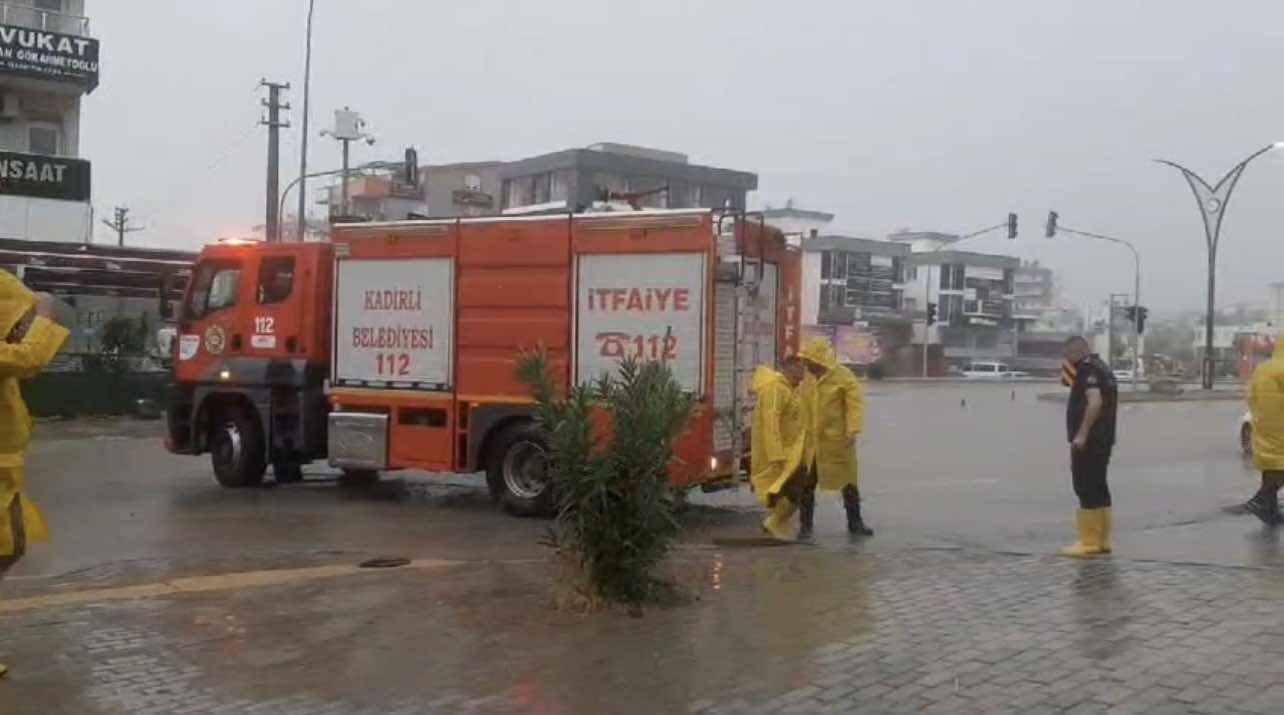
x=778 y=435
x=1266 y=401
x=835 y=406
x=29 y=343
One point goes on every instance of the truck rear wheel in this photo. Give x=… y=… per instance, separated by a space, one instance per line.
x=236 y=448
x=518 y=471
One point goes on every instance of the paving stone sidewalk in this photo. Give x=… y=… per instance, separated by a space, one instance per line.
x=794 y=630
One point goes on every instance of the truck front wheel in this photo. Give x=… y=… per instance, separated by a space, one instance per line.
x=236 y=449
x=518 y=471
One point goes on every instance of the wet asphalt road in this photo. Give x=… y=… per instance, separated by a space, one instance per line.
x=958 y=605
x=941 y=465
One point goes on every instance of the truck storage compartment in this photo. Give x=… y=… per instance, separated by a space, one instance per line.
x=358 y=440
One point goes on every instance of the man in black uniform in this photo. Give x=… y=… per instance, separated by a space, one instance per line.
x=1090 y=428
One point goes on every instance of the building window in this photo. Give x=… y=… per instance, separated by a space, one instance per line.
x=945 y=276
x=472 y=182
x=839 y=268
x=959 y=271
x=541 y=190
x=519 y=191
x=697 y=196
x=559 y=186
x=50 y=5
x=42 y=138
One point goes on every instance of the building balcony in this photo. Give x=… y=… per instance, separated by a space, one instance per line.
x=24 y=15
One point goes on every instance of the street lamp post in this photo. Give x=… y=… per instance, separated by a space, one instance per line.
x=1212 y=206
x=303 y=140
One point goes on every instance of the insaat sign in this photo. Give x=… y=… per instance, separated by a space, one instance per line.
x=49 y=55
x=46 y=177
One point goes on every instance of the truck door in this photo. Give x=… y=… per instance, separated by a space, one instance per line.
x=275 y=316
x=208 y=328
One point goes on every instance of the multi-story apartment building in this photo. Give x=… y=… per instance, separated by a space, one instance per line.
x=48 y=62
x=852 y=294
x=973 y=294
x=1034 y=291
x=575 y=179
x=464 y=189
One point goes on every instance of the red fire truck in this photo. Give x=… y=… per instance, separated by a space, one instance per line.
x=395 y=345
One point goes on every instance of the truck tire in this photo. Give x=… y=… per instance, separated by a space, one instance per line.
x=236 y=448
x=517 y=470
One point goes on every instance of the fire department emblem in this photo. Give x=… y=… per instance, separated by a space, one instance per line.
x=215 y=339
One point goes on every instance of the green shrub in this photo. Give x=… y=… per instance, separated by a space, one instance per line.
x=616 y=515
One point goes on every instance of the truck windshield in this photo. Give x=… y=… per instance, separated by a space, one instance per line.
x=215 y=287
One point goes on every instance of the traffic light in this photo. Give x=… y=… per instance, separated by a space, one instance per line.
x=931 y=314
x=1141 y=319
x=1051 y=229
x=1012 y=225
x=1131 y=312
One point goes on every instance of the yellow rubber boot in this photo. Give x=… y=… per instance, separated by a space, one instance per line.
x=1085 y=521
x=1105 y=524
x=4 y=670
x=777 y=522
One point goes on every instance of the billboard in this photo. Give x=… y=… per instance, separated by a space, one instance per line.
x=49 y=56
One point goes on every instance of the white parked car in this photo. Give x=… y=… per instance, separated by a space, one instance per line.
x=1246 y=434
x=991 y=371
x=1123 y=375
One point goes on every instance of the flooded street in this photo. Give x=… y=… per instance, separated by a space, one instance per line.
x=162 y=591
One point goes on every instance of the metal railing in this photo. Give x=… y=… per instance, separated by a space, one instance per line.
x=47 y=20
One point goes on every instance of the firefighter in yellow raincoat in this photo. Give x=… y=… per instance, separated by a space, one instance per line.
x=30 y=341
x=1266 y=402
x=835 y=404
x=777 y=442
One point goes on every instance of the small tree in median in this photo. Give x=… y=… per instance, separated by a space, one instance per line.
x=616 y=505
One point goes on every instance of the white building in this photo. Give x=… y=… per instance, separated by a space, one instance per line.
x=798 y=222
x=48 y=61
x=973 y=295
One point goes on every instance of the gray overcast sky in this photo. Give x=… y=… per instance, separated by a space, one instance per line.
x=929 y=114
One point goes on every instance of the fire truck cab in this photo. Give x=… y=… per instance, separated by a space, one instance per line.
x=250 y=359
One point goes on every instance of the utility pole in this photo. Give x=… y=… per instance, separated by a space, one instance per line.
x=274 y=125
x=120 y=224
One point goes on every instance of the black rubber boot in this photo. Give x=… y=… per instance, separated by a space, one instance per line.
x=1265 y=504
x=806 y=515
x=851 y=503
